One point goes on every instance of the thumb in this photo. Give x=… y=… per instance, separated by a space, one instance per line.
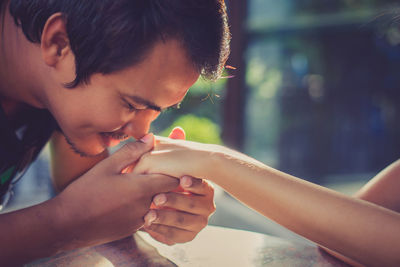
x=129 y=153
x=177 y=133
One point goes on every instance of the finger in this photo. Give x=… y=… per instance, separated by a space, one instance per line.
x=159 y=162
x=129 y=153
x=172 y=234
x=154 y=183
x=171 y=163
x=194 y=204
x=177 y=219
x=177 y=133
x=196 y=186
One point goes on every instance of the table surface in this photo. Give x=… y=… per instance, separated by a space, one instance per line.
x=214 y=246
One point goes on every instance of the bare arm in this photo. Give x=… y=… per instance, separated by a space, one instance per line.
x=349 y=226
x=382 y=190
x=346 y=225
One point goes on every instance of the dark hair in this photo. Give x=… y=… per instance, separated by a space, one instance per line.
x=109 y=35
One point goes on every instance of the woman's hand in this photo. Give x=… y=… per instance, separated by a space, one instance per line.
x=178 y=216
x=179 y=158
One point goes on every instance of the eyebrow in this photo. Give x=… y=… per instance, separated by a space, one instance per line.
x=148 y=103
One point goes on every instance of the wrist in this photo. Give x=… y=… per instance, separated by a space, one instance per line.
x=214 y=163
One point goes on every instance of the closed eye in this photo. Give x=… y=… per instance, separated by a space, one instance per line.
x=129 y=106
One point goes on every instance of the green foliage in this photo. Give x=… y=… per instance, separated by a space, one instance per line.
x=203 y=100
x=203 y=87
x=197 y=129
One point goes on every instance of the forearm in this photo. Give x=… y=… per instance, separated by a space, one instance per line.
x=29 y=234
x=359 y=230
x=381 y=190
x=349 y=226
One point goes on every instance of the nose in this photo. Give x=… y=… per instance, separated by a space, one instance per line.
x=139 y=125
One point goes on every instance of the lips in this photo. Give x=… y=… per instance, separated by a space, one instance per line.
x=113 y=138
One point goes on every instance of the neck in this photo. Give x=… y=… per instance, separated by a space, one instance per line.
x=20 y=68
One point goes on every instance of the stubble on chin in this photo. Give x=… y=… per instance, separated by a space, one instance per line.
x=76 y=150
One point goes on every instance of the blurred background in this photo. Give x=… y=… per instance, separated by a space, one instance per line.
x=315 y=93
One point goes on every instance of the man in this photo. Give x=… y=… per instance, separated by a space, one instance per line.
x=89 y=74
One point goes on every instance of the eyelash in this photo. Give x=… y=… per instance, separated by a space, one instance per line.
x=130 y=107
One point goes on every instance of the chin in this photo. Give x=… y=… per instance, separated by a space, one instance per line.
x=87 y=148
x=93 y=152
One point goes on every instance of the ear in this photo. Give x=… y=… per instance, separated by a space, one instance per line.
x=54 y=42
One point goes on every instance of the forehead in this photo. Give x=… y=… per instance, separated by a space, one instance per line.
x=164 y=76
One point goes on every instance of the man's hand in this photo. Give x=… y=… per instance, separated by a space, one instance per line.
x=180 y=215
x=104 y=204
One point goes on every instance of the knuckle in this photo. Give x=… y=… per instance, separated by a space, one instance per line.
x=180 y=219
x=192 y=204
x=213 y=208
x=169 y=233
x=208 y=206
x=209 y=188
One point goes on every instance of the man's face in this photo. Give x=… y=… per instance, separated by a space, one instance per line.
x=112 y=107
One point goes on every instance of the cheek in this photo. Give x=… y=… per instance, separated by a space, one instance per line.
x=105 y=119
x=90 y=116
x=106 y=123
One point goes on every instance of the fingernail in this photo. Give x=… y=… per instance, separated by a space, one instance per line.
x=178 y=133
x=160 y=199
x=179 y=128
x=150 y=217
x=148 y=138
x=186 y=181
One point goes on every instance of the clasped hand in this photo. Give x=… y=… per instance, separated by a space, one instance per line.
x=178 y=216
x=106 y=204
